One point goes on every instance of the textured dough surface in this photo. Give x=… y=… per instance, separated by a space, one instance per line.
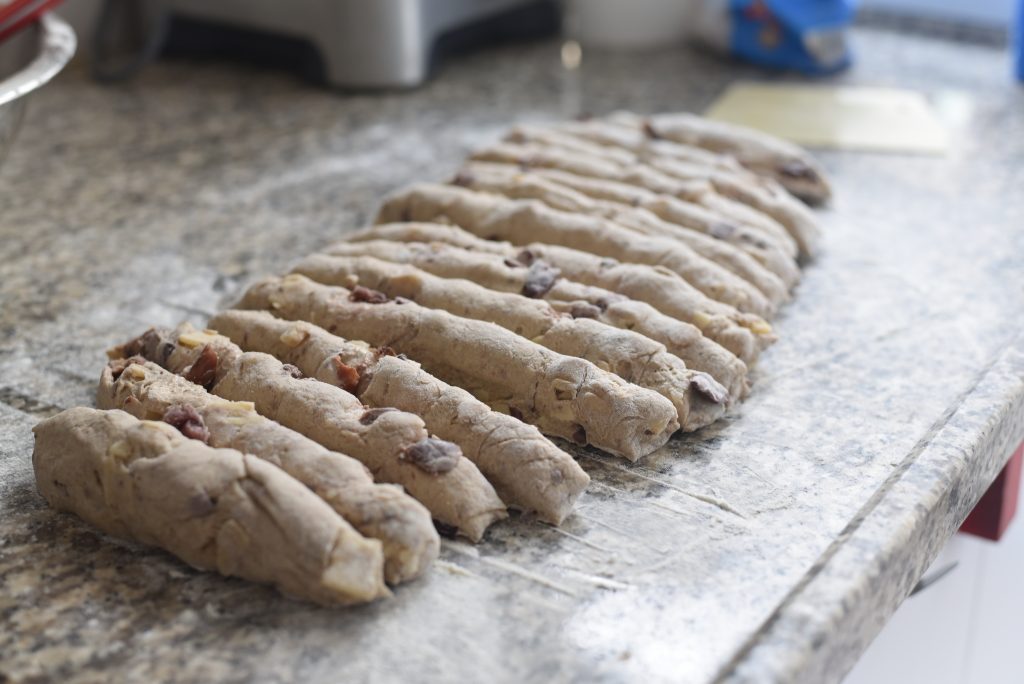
x=524 y=221
x=526 y=469
x=668 y=177
x=792 y=166
x=744 y=335
x=508 y=275
x=563 y=396
x=699 y=400
x=459 y=497
x=379 y=511
x=509 y=181
x=763 y=237
x=661 y=172
x=215 y=509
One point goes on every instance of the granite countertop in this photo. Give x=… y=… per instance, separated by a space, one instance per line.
x=772 y=546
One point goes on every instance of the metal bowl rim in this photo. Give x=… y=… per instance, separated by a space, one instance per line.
x=57 y=43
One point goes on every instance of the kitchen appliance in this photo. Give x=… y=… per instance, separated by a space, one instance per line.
x=375 y=43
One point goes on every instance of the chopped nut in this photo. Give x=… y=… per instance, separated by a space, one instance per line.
x=350 y=281
x=795 y=168
x=140 y=346
x=433 y=456
x=187 y=421
x=722 y=231
x=755 y=241
x=203 y=370
x=119 y=366
x=564 y=390
x=192 y=340
x=120 y=449
x=242 y=419
x=247 y=406
x=365 y=294
x=371 y=415
x=701 y=319
x=137 y=372
x=463 y=179
x=347 y=375
x=651 y=132
x=293 y=336
x=709 y=387
x=525 y=257
x=584 y=310
x=540 y=279
x=761 y=328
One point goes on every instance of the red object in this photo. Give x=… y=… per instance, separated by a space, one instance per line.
x=20 y=13
x=995 y=510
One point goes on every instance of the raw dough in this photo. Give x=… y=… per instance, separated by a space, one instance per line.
x=699 y=400
x=791 y=165
x=508 y=275
x=511 y=182
x=563 y=396
x=527 y=470
x=379 y=511
x=395 y=446
x=215 y=509
x=745 y=335
x=525 y=221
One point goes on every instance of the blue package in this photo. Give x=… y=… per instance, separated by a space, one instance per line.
x=810 y=36
x=1020 y=41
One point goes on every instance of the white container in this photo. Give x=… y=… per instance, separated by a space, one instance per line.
x=627 y=24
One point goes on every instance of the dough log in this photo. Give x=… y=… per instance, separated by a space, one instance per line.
x=699 y=399
x=379 y=511
x=762 y=237
x=215 y=509
x=524 y=221
x=508 y=181
x=790 y=165
x=563 y=396
x=394 y=445
x=526 y=469
x=745 y=335
x=667 y=176
x=508 y=275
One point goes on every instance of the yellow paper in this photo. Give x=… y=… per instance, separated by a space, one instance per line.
x=848 y=118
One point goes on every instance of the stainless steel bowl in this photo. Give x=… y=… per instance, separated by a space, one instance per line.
x=27 y=61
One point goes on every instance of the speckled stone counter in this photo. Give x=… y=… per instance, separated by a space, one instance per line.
x=772 y=546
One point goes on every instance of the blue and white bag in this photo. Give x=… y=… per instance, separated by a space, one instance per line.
x=810 y=36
